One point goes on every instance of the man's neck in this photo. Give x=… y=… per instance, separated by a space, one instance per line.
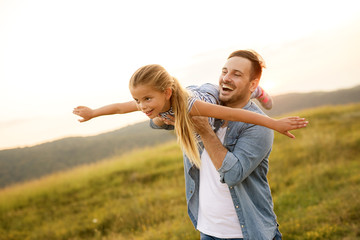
x=239 y=104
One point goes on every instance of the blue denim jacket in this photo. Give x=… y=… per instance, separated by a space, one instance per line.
x=244 y=170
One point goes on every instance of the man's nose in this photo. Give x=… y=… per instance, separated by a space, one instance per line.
x=226 y=78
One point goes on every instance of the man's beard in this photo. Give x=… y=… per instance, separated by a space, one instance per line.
x=235 y=98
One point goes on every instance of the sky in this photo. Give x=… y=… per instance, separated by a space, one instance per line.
x=56 y=55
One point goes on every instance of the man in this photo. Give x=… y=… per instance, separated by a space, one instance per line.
x=229 y=196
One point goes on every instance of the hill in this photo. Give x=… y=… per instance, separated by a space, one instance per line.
x=315 y=182
x=286 y=103
x=22 y=164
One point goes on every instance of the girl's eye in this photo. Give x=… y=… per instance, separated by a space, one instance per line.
x=147 y=99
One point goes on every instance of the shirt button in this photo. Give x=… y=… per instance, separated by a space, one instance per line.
x=231 y=187
x=242 y=226
x=237 y=206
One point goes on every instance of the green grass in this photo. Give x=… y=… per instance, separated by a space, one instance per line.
x=126 y=198
x=315 y=181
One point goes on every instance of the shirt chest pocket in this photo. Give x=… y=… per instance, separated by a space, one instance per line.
x=230 y=143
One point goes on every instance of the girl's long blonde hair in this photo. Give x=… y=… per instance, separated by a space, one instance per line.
x=158 y=78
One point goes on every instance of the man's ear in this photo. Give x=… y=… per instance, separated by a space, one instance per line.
x=253 y=84
x=168 y=93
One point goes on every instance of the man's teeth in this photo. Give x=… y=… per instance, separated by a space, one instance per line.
x=227 y=87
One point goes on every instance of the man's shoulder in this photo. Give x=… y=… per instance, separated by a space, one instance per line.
x=251 y=106
x=207 y=92
x=204 y=87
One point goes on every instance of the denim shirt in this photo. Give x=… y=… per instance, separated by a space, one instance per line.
x=244 y=170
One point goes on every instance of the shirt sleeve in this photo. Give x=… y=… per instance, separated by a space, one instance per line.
x=245 y=152
x=165 y=127
x=257 y=93
x=207 y=92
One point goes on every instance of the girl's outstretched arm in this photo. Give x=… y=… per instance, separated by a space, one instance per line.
x=117 y=108
x=283 y=125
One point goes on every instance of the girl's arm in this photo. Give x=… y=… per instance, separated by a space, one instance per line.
x=283 y=125
x=116 y=108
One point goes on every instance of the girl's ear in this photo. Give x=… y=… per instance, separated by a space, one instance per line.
x=168 y=93
x=253 y=84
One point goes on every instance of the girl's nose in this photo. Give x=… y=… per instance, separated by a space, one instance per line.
x=142 y=106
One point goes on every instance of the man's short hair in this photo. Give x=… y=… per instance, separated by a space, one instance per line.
x=257 y=62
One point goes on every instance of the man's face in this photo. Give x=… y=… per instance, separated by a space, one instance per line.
x=234 y=82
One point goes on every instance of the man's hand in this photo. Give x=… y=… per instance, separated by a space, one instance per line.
x=170 y=120
x=212 y=144
x=201 y=125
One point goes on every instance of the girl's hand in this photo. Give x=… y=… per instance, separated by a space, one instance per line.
x=290 y=123
x=84 y=112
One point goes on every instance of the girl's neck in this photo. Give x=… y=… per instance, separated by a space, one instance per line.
x=167 y=106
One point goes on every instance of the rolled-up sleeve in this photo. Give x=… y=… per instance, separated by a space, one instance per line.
x=245 y=153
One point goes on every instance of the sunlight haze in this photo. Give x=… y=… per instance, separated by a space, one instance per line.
x=56 y=55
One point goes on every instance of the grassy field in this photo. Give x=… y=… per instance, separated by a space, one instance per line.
x=315 y=181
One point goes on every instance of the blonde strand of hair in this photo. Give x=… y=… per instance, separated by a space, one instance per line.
x=184 y=128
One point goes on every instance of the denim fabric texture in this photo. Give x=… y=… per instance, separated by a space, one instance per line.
x=207 y=237
x=203 y=236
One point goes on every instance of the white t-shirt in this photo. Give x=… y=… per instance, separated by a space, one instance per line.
x=217 y=216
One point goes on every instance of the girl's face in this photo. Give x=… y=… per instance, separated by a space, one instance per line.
x=151 y=101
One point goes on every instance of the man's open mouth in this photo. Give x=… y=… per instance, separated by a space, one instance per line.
x=226 y=87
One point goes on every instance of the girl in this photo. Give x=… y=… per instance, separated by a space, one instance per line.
x=156 y=93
